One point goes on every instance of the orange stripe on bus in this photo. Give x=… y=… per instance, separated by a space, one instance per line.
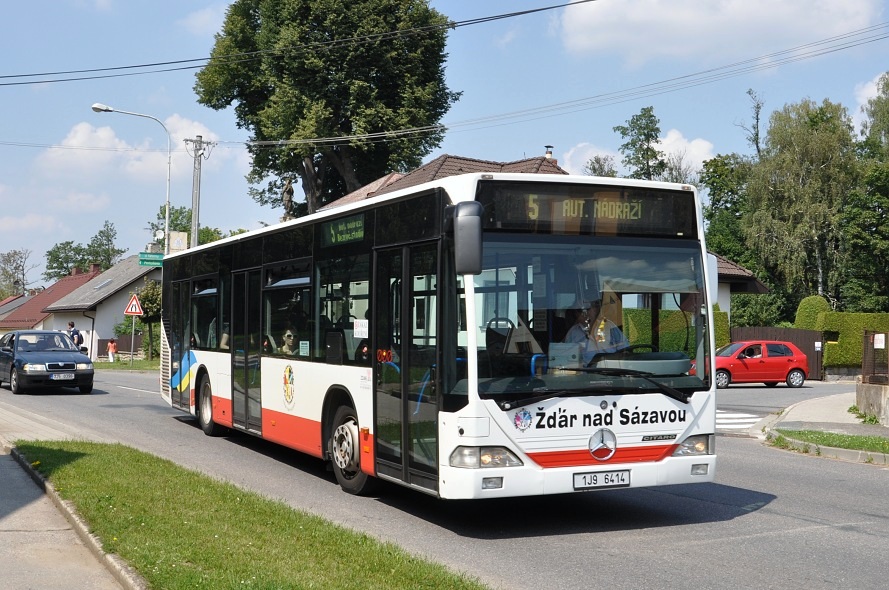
x=581 y=457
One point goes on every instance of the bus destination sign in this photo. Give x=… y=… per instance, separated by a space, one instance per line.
x=588 y=210
x=343 y=231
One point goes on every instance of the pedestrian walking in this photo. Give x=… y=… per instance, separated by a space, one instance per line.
x=75 y=334
x=112 y=350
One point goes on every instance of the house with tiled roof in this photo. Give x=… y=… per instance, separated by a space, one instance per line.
x=444 y=166
x=32 y=314
x=97 y=306
x=734 y=278
x=13 y=302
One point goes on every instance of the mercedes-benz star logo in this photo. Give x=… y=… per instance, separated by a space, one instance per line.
x=603 y=444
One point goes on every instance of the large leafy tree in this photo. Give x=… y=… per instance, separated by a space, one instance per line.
x=875 y=128
x=866 y=215
x=14 y=269
x=642 y=156
x=64 y=257
x=797 y=192
x=322 y=85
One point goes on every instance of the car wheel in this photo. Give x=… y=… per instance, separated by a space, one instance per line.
x=205 y=409
x=722 y=379
x=771 y=383
x=86 y=387
x=344 y=448
x=796 y=378
x=14 y=385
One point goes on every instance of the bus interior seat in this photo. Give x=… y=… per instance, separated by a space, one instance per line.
x=335 y=344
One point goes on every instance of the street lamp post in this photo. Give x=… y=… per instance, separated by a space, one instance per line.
x=102 y=108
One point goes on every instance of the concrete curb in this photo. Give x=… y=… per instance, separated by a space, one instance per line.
x=123 y=573
x=808 y=448
x=763 y=430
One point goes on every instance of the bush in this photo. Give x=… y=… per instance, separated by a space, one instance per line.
x=808 y=310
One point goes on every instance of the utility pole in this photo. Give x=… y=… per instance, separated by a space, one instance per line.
x=201 y=150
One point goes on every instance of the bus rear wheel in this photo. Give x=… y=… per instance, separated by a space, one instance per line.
x=344 y=448
x=205 y=409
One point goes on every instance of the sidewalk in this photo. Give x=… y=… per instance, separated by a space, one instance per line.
x=43 y=544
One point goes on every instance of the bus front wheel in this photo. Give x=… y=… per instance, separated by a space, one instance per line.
x=205 y=409
x=344 y=448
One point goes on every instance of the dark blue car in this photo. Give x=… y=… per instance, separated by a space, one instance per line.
x=32 y=359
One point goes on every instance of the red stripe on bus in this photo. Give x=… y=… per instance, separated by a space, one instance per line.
x=222 y=411
x=291 y=431
x=582 y=457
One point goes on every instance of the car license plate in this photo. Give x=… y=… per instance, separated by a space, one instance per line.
x=602 y=479
x=62 y=376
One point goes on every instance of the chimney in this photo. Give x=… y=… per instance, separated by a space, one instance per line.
x=549 y=154
x=95 y=267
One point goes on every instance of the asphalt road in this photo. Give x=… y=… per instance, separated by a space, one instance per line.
x=773 y=519
x=757 y=398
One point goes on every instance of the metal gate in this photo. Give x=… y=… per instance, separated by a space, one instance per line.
x=809 y=341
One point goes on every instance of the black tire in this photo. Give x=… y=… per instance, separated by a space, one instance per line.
x=14 y=385
x=86 y=388
x=723 y=378
x=205 y=409
x=344 y=448
x=771 y=383
x=796 y=378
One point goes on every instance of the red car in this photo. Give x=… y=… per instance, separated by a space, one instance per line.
x=761 y=361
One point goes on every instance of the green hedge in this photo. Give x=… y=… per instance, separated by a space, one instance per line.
x=844 y=334
x=676 y=329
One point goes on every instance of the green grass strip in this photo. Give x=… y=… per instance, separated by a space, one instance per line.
x=871 y=444
x=181 y=529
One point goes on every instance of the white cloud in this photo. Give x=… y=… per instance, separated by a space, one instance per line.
x=205 y=22
x=695 y=151
x=79 y=202
x=648 y=30
x=863 y=92
x=32 y=223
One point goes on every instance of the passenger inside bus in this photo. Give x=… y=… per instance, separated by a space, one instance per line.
x=289 y=347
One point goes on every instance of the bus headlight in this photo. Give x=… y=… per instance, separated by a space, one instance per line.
x=481 y=457
x=699 y=444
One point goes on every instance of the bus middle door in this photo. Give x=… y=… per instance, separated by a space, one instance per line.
x=404 y=365
x=246 y=338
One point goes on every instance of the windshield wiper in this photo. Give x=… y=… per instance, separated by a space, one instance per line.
x=671 y=392
x=546 y=393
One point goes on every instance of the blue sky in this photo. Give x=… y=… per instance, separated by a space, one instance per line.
x=564 y=77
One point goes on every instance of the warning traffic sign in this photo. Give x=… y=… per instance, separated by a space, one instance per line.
x=133 y=307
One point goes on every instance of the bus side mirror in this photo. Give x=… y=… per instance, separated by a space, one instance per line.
x=468 y=238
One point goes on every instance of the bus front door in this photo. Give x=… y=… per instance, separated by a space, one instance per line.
x=246 y=343
x=404 y=365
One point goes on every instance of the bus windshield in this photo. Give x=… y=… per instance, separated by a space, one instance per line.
x=582 y=314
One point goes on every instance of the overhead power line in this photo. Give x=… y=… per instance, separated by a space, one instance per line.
x=195 y=63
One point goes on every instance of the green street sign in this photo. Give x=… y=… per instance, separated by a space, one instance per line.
x=150 y=262
x=159 y=256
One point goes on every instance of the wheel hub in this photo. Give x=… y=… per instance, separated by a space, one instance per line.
x=345 y=446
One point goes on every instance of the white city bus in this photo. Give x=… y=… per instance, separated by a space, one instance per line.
x=419 y=337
